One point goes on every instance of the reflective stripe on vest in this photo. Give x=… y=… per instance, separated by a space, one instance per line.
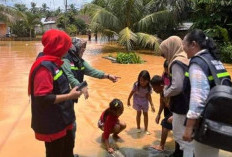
x=58 y=75
x=76 y=68
x=186 y=74
x=219 y=75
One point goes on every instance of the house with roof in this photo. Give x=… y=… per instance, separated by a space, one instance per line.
x=47 y=24
x=4 y=29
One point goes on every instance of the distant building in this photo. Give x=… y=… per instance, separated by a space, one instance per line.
x=85 y=18
x=47 y=24
x=183 y=29
x=4 y=29
x=185 y=26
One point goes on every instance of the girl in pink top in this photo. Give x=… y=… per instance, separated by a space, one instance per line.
x=141 y=93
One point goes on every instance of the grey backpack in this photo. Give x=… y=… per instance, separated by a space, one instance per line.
x=215 y=125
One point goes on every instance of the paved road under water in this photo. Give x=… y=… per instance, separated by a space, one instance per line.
x=17 y=137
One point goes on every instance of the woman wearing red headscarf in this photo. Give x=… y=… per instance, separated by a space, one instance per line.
x=51 y=98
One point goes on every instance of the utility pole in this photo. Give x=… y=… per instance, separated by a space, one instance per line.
x=66 y=5
x=65 y=12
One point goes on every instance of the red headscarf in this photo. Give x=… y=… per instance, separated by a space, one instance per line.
x=56 y=44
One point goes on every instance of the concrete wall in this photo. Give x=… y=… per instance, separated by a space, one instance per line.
x=40 y=29
x=3 y=30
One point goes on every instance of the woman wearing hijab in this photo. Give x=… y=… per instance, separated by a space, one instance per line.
x=51 y=99
x=179 y=89
x=75 y=68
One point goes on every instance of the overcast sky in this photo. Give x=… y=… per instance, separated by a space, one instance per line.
x=52 y=4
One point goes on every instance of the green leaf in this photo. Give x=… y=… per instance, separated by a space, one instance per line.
x=147 y=40
x=127 y=38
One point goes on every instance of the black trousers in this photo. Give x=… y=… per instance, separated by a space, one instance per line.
x=62 y=147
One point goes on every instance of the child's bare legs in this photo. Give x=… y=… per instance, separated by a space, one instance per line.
x=164 y=136
x=118 y=128
x=145 y=114
x=138 y=117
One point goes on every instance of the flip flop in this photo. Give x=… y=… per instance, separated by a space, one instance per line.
x=148 y=133
x=138 y=131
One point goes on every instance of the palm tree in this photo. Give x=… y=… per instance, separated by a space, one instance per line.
x=21 y=7
x=44 y=7
x=9 y=14
x=31 y=21
x=131 y=20
x=72 y=8
x=44 y=10
x=34 y=9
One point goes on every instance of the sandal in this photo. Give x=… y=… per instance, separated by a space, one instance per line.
x=148 y=133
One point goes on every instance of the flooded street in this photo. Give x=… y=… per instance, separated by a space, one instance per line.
x=17 y=137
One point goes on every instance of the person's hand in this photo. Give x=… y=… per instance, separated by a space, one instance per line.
x=110 y=150
x=167 y=105
x=85 y=92
x=113 y=78
x=188 y=134
x=153 y=108
x=170 y=119
x=157 y=119
x=128 y=103
x=74 y=94
x=166 y=87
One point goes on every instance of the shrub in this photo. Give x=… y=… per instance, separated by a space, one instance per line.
x=226 y=53
x=71 y=29
x=128 y=58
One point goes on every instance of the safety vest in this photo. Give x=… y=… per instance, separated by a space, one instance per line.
x=76 y=63
x=77 y=67
x=40 y=55
x=180 y=103
x=218 y=67
x=52 y=118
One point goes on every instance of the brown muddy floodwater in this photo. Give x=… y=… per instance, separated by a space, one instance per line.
x=17 y=137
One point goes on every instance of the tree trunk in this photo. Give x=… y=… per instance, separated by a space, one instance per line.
x=30 y=33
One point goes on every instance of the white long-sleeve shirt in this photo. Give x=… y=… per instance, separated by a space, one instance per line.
x=177 y=81
x=199 y=91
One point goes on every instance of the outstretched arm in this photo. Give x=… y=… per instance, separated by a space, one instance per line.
x=130 y=95
x=161 y=107
x=150 y=101
x=90 y=71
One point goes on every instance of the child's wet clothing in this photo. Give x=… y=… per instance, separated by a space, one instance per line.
x=107 y=123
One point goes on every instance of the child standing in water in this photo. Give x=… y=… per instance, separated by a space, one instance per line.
x=141 y=93
x=158 y=84
x=110 y=124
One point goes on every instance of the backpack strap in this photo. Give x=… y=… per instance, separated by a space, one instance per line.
x=211 y=68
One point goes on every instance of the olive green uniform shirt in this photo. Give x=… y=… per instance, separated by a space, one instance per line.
x=88 y=70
